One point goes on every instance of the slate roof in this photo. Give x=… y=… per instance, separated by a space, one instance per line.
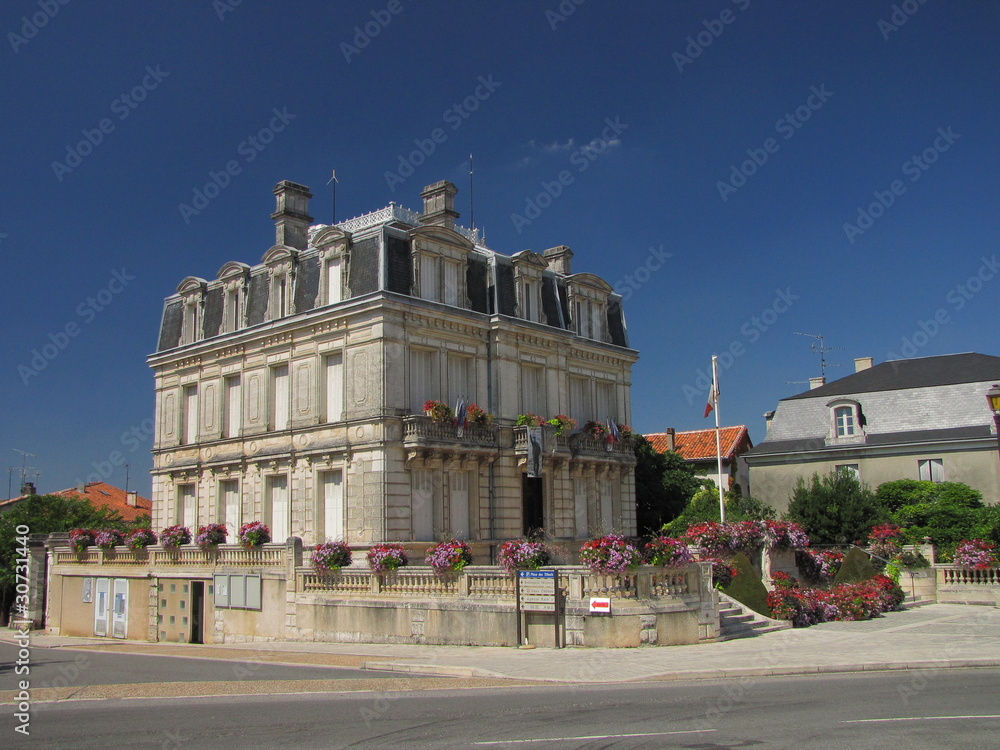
x=920 y=372
x=699 y=445
x=103 y=495
x=973 y=432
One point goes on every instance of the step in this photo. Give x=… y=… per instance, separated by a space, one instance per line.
x=737 y=621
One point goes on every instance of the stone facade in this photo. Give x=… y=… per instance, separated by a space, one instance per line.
x=292 y=392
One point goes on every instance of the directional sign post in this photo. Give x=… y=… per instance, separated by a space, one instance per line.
x=538 y=591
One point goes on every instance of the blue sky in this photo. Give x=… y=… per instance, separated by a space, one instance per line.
x=719 y=162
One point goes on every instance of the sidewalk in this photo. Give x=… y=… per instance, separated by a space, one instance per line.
x=937 y=636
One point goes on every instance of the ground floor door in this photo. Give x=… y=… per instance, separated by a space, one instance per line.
x=197 y=612
x=532 y=505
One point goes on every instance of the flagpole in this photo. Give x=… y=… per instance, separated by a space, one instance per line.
x=718 y=437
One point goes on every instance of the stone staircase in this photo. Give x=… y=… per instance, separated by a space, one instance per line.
x=738 y=621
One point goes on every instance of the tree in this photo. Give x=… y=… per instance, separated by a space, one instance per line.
x=704 y=506
x=664 y=483
x=44 y=514
x=947 y=512
x=836 y=509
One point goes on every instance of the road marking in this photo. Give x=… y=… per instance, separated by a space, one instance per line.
x=918 y=718
x=592 y=737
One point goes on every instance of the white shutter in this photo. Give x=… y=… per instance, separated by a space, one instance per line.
x=459 y=498
x=279 y=391
x=580 y=507
x=230 y=491
x=428 y=277
x=451 y=283
x=605 y=402
x=578 y=401
x=278 y=490
x=334 y=387
x=333 y=504
x=605 y=489
x=422 y=380
x=234 y=406
x=188 y=507
x=333 y=281
x=190 y=415
x=422 y=504
x=460 y=382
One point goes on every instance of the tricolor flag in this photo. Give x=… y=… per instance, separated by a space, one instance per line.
x=616 y=436
x=713 y=395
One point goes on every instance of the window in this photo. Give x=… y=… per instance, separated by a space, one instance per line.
x=458 y=485
x=277 y=503
x=529 y=301
x=581 y=318
x=189 y=425
x=851 y=469
x=461 y=379
x=596 y=329
x=429 y=277
x=190 y=330
x=579 y=401
x=844 y=420
x=279 y=296
x=334 y=280
x=332 y=493
x=580 y=506
x=233 y=309
x=187 y=506
x=606 y=408
x=422 y=504
x=606 y=490
x=931 y=470
x=423 y=379
x=533 y=390
x=279 y=397
x=232 y=403
x=229 y=504
x=451 y=286
x=334 y=387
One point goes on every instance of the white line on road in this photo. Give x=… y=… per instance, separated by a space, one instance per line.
x=918 y=718
x=592 y=737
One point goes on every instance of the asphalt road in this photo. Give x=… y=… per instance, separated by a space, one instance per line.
x=60 y=667
x=956 y=708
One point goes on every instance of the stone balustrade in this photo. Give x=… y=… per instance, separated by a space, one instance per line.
x=225 y=555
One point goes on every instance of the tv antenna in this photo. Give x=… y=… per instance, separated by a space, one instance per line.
x=822 y=349
x=334 y=180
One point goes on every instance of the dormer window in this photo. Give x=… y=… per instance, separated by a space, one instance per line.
x=844 y=418
x=429 y=277
x=281 y=264
x=192 y=291
x=233 y=276
x=334 y=280
x=529 y=300
x=846 y=421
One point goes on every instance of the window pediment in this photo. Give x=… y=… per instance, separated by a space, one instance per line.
x=192 y=285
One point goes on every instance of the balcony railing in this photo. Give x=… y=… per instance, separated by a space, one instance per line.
x=422 y=429
x=576 y=444
x=224 y=556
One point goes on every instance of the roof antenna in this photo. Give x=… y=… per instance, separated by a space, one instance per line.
x=823 y=364
x=472 y=200
x=334 y=180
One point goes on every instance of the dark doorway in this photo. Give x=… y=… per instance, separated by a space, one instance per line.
x=532 y=506
x=197 y=611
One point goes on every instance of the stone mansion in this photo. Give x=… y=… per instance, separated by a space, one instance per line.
x=292 y=391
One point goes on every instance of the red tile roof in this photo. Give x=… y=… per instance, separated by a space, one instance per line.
x=699 y=445
x=103 y=495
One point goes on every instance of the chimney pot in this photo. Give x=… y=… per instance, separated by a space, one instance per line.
x=291 y=215
x=559 y=258
x=28 y=488
x=132 y=498
x=862 y=363
x=815 y=383
x=439 y=205
x=671 y=434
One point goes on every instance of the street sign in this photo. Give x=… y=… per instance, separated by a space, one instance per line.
x=600 y=605
x=538 y=592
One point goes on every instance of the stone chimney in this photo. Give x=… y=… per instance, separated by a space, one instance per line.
x=862 y=363
x=28 y=488
x=439 y=205
x=768 y=416
x=671 y=432
x=815 y=383
x=291 y=217
x=132 y=498
x=559 y=258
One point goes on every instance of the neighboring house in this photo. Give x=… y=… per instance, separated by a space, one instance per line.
x=698 y=448
x=101 y=495
x=924 y=418
x=292 y=392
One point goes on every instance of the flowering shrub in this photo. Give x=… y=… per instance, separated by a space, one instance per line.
x=819 y=567
x=625 y=432
x=447 y=556
x=596 y=430
x=856 y=601
x=746 y=535
x=477 y=415
x=712 y=537
x=331 y=556
x=254 y=534
x=80 y=539
x=109 y=539
x=524 y=555
x=668 y=552
x=562 y=423
x=609 y=554
x=211 y=536
x=173 y=537
x=383 y=558
x=885 y=540
x=438 y=411
x=910 y=559
x=140 y=539
x=785 y=535
x=976 y=554
x=529 y=420
x=722 y=572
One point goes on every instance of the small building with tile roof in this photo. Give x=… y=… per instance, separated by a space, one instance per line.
x=101 y=495
x=921 y=418
x=698 y=447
